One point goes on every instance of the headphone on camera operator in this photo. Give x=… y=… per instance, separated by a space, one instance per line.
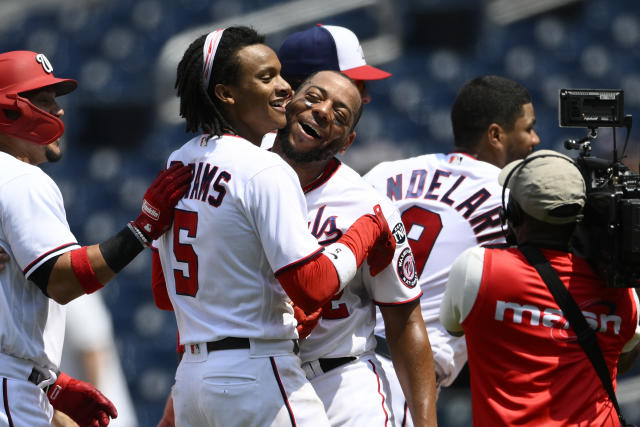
x=541 y=201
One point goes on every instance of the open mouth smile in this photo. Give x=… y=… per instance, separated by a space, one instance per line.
x=310 y=130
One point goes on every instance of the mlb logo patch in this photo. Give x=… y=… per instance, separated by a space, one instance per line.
x=399 y=233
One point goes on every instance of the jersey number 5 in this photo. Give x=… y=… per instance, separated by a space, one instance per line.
x=423 y=228
x=185 y=220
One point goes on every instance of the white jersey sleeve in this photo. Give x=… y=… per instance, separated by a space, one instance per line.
x=34 y=222
x=401 y=272
x=276 y=209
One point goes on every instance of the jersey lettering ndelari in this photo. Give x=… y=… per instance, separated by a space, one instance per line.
x=448 y=203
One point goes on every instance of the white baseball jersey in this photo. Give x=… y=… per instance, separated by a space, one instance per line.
x=33 y=228
x=335 y=201
x=448 y=203
x=242 y=220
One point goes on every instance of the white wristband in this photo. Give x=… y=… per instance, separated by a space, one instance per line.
x=343 y=260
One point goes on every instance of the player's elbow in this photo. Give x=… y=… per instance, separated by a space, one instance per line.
x=310 y=284
x=309 y=295
x=63 y=292
x=58 y=295
x=301 y=295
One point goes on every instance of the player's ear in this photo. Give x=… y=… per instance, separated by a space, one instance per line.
x=350 y=138
x=224 y=94
x=495 y=135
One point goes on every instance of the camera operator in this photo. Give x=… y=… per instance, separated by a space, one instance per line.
x=526 y=365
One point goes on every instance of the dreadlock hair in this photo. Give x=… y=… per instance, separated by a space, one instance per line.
x=199 y=105
x=485 y=100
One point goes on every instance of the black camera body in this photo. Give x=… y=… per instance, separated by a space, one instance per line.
x=608 y=236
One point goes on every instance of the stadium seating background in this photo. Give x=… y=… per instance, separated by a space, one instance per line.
x=116 y=140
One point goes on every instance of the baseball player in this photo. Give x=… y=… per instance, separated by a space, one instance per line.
x=47 y=267
x=325 y=47
x=240 y=252
x=338 y=356
x=450 y=202
x=328 y=47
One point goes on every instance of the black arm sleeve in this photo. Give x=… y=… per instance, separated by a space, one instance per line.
x=41 y=275
x=121 y=249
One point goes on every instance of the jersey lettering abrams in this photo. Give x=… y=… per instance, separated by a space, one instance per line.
x=442 y=188
x=204 y=174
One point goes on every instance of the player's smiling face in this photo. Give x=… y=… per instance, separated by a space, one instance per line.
x=259 y=93
x=320 y=118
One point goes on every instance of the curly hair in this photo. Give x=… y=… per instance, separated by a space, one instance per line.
x=199 y=105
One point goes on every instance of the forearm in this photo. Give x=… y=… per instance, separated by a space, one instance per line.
x=413 y=362
x=64 y=285
x=89 y=268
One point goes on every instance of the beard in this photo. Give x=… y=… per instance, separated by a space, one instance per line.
x=317 y=154
x=52 y=155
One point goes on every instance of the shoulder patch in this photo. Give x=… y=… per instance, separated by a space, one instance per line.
x=406 y=268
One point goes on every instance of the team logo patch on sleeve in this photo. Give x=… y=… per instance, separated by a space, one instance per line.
x=399 y=233
x=406 y=268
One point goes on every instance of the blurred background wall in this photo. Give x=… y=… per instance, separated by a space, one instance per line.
x=122 y=122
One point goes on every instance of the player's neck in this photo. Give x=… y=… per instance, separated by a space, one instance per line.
x=464 y=150
x=309 y=172
x=14 y=148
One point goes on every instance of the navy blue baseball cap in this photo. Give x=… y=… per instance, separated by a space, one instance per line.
x=326 y=47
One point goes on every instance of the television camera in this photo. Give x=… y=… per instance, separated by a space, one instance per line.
x=609 y=233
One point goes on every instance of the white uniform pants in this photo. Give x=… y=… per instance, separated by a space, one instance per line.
x=244 y=388
x=22 y=403
x=354 y=394
x=396 y=399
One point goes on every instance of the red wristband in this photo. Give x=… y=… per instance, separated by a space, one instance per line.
x=83 y=271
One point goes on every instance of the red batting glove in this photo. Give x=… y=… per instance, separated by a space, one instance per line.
x=306 y=322
x=381 y=254
x=161 y=197
x=81 y=401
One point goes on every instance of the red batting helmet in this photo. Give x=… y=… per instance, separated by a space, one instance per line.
x=23 y=71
